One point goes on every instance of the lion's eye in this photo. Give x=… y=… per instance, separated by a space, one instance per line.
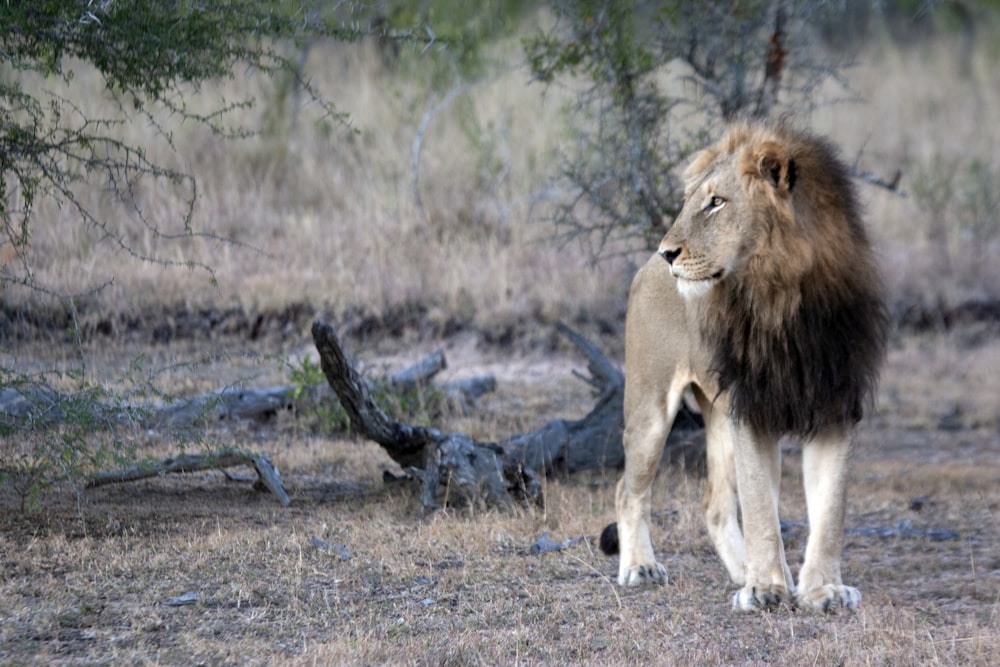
x=716 y=202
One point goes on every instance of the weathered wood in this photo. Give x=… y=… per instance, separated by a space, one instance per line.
x=469 y=469
x=43 y=405
x=224 y=405
x=38 y=403
x=595 y=441
x=224 y=458
x=404 y=443
x=463 y=394
x=421 y=373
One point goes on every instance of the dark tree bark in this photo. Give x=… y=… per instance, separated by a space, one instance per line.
x=593 y=442
x=475 y=471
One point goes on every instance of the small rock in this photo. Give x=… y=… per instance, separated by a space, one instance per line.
x=182 y=600
x=339 y=549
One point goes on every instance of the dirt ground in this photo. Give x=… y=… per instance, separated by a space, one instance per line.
x=199 y=569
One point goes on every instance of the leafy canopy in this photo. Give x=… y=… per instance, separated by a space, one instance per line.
x=654 y=81
x=151 y=54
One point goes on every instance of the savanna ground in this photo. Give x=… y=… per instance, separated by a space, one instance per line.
x=89 y=577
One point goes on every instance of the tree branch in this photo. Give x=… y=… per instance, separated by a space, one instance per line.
x=475 y=470
x=268 y=475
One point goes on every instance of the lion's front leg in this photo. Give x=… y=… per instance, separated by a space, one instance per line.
x=758 y=474
x=637 y=563
x=645 y=434
x=825 y=469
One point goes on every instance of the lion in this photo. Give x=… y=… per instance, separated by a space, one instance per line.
x=765 y=301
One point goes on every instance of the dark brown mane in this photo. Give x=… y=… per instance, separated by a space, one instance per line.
x=803 y=356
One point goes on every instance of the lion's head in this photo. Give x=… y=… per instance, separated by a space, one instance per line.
x=770 y=253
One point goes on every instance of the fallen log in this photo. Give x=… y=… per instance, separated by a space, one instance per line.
x=420 y=373
x=263 y=403
x=473 y=471
x=34 y=405
x=227 y=404
x=46 y=406
x=593 y=442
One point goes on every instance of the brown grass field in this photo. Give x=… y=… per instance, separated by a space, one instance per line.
x=88 y=577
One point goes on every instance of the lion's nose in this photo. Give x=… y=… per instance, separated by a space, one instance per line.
x=670 y=255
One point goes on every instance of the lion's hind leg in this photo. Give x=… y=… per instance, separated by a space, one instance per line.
x=824 y=471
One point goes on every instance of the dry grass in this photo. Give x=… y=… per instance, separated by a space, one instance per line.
x=86 y=578
x=335 y=219
x=926 y=116
x=91 y=585
x=333 y=213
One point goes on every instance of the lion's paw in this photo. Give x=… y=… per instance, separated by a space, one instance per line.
x=829 y=598
x=638 y=574
x=761 y=598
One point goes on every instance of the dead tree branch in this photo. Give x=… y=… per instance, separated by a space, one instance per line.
x=891 y=185
x=267 y=474
x=44 y=405
x=41 y=404
x=470 y=469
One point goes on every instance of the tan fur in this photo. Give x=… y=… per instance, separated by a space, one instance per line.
x=7 y=252
x=769 y=306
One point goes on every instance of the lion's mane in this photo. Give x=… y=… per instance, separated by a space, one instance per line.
x=798 y=333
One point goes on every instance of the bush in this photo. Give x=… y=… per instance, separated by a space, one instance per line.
x=656 y=83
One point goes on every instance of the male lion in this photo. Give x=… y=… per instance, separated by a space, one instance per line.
x=765 y=300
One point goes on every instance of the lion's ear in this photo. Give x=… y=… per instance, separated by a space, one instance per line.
x=774 y=166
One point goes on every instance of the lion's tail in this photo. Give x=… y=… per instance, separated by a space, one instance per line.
x=609 y=540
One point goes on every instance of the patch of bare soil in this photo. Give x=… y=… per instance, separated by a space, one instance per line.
x=200 y=569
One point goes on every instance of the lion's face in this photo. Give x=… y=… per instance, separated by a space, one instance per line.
x=736 y=205
x=706 y=241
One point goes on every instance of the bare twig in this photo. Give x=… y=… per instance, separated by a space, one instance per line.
x=891 y=185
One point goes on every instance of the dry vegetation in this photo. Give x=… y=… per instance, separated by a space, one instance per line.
x=87 y=577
